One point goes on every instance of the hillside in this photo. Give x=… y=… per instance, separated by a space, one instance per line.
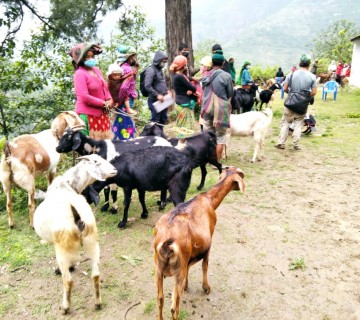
x=266 y=32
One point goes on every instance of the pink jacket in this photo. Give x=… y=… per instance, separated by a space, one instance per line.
x=91 y=92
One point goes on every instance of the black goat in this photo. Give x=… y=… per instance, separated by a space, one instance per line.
x=76 y=141
x=266 y=95
x=203 y=144
x=243 y=99
x=151 y=169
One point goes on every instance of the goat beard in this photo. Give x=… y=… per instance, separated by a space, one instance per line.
x=114 y=88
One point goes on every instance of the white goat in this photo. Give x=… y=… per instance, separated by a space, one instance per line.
x=30 y=155
x=65 y=219
x=254 y=123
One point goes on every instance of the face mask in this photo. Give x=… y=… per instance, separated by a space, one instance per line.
x=185 y=53
x=90 y=63
x=248 y=67
x=162 y=64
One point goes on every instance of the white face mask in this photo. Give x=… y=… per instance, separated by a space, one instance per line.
x=162 y=64
x=248 y=67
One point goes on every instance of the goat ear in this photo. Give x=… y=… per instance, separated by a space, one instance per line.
x=240 y=184
x=76 y=141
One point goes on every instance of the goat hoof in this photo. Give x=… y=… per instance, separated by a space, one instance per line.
x=122 y=225
x=144 y=215
x=72 y=269
x=105 y=207
x=57 y=272
x=158 y=202
x=113 y=211
x=98 y=306
x=200 y=186
x=207 y=290
x=64 y=310
x=162 y=206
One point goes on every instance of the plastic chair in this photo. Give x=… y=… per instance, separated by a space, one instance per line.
x=330 y=87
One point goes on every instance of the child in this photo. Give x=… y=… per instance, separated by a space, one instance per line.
x=115 y=79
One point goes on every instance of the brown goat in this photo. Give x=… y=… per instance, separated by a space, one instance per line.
x=183 y=237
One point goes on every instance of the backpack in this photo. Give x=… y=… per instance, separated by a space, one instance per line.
x=143 y=90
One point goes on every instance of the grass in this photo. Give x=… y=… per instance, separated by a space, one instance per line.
x=338 y=137
x=297 y=263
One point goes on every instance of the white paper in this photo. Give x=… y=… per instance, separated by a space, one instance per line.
x=160 y=106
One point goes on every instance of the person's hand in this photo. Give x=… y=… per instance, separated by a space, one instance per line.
x=160 y=97
x=195 y=79
x=189 y=92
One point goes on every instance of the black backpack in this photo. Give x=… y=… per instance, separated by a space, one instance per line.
x=143 y=90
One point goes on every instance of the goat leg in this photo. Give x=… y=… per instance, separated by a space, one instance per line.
x=205 y=264
x=203 y=176
x=114 y=199
x=163 y=199
x=145 y=212
x=127 y=200
x=160 y=295
x=106 y=205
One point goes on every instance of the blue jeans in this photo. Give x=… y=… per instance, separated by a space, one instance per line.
x=160 y=117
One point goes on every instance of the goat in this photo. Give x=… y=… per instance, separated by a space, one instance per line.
x=183 y=237
x=267 y=95
x=30 y=155
x=65 y=219
x=243 y=100
x=151 y=169
x=254 y=123
x=107 y=149
x=203 y=144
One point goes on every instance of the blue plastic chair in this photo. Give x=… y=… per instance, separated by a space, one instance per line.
x=330 y=87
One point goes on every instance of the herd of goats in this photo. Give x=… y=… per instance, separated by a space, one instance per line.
x=151 y=162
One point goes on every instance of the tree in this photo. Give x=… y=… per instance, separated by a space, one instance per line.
x=178 y=27
x=334 y=42
x=66 y=19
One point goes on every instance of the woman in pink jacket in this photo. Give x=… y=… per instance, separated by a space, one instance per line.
x=93 y=98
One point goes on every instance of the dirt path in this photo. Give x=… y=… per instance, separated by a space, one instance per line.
x=297 y=205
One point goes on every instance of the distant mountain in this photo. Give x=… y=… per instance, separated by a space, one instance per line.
x=267 y=32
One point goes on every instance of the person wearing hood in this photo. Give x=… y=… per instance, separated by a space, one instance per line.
x=216 y=106
x=245 y=79
x=232 y=69
x=93 y=98
x=155 y=84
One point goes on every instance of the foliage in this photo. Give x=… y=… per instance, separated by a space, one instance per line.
x=65 y=19
x=261 y=74
x=297 y=263
x=334 y=42
x=135 y=31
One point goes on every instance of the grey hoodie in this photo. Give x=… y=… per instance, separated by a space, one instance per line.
x=154 y=78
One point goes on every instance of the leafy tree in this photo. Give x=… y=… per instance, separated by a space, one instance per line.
x=334 y=42
x=66 y=19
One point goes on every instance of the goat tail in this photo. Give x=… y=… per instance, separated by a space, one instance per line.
x=166 y=250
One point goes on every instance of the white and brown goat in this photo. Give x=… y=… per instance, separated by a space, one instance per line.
x=30 y=155
x=184 y=235
x=65 y=219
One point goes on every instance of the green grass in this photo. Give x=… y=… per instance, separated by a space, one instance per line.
x=297 y=264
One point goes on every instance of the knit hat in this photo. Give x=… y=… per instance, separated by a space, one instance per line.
x=178 y=63
x=218 y=56
x=216 y=47
x=79 y=51
x=206 y=61
x=114 y=68
x=305 y=59
x=125 y=52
